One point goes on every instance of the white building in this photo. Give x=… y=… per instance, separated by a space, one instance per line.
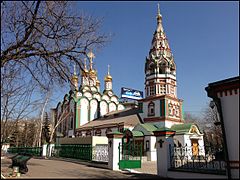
x=225 y=95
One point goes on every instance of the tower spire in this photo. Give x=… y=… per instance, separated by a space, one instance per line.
x=159 y=10
x=159 y=16
x=74 y=69
x=108 y=69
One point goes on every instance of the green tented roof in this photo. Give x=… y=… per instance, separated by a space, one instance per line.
x=149 y=127
x=137 y=133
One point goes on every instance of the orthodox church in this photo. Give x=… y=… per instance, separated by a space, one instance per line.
x=160 y=109
x=85 y=103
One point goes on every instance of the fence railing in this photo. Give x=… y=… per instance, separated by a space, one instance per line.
x=76 y=151
x=97 y=153
x=35 y=151
x=203 y=159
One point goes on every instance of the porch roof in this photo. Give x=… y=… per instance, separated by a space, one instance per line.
x=137 y=133
x=149 y=127
x=182 y=128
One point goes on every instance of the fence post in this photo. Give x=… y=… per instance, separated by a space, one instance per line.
x=164 y=138
x=114 y=139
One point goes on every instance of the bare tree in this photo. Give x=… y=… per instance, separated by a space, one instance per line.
x=213 y=132
x=16 y=97
x=46 y=37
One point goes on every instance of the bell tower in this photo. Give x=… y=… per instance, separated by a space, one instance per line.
x=161 y=103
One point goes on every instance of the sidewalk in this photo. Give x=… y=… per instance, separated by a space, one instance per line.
x=62 y=169
x=148 y=167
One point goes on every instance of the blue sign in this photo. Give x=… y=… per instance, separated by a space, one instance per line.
x=131 y=93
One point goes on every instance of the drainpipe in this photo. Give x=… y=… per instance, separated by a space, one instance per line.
x=219 y=108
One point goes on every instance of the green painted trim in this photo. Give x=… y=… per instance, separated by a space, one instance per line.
x=76 y=118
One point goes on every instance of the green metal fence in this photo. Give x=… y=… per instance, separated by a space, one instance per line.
x=76 y=151
x=35 y=151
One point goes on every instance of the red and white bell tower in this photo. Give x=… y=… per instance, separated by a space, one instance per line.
x=161 y=104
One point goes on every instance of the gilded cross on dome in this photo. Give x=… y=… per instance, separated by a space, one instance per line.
x=91 y=56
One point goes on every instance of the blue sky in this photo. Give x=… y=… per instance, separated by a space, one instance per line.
x=203 y=37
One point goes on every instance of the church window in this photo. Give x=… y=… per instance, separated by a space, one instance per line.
x=147 y=145
x=151 y=109
x=162 y=89
x=152 y=90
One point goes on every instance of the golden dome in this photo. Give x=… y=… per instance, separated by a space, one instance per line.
x=108 y=78
x=97 y=82
x=92 y=72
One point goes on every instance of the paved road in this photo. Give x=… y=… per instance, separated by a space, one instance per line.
x=45 y=168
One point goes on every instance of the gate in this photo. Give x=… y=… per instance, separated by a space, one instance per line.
x=130 y=155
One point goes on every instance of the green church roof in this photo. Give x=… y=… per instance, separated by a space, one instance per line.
x=182 y=128
x=164 y=129
x=149 y=127
x=137 y=133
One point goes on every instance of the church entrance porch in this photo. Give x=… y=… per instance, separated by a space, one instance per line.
x=195 y=151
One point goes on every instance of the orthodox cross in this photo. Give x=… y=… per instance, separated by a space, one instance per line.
x=110 y=143
x=161 y=142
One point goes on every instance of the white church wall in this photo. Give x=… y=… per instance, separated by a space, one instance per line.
x=84 y=106
x=112 y=107
x=180 y=139
x=169 y=124
x=93 y=109
x=106 y=98
x=120 y=107
x=103 y=108
x=97 y=96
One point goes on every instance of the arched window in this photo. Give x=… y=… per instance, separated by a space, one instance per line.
x=88 y=133
x=151 y=109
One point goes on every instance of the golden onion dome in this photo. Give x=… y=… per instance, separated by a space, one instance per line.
x=92 y=72
x=108 y=78
x=97 y=82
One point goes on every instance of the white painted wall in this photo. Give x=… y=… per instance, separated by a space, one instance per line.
x=93 y=109
x=103 y=108
x=113 y=156
x=230 y=111
x=84 y=106
x=112 y=107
